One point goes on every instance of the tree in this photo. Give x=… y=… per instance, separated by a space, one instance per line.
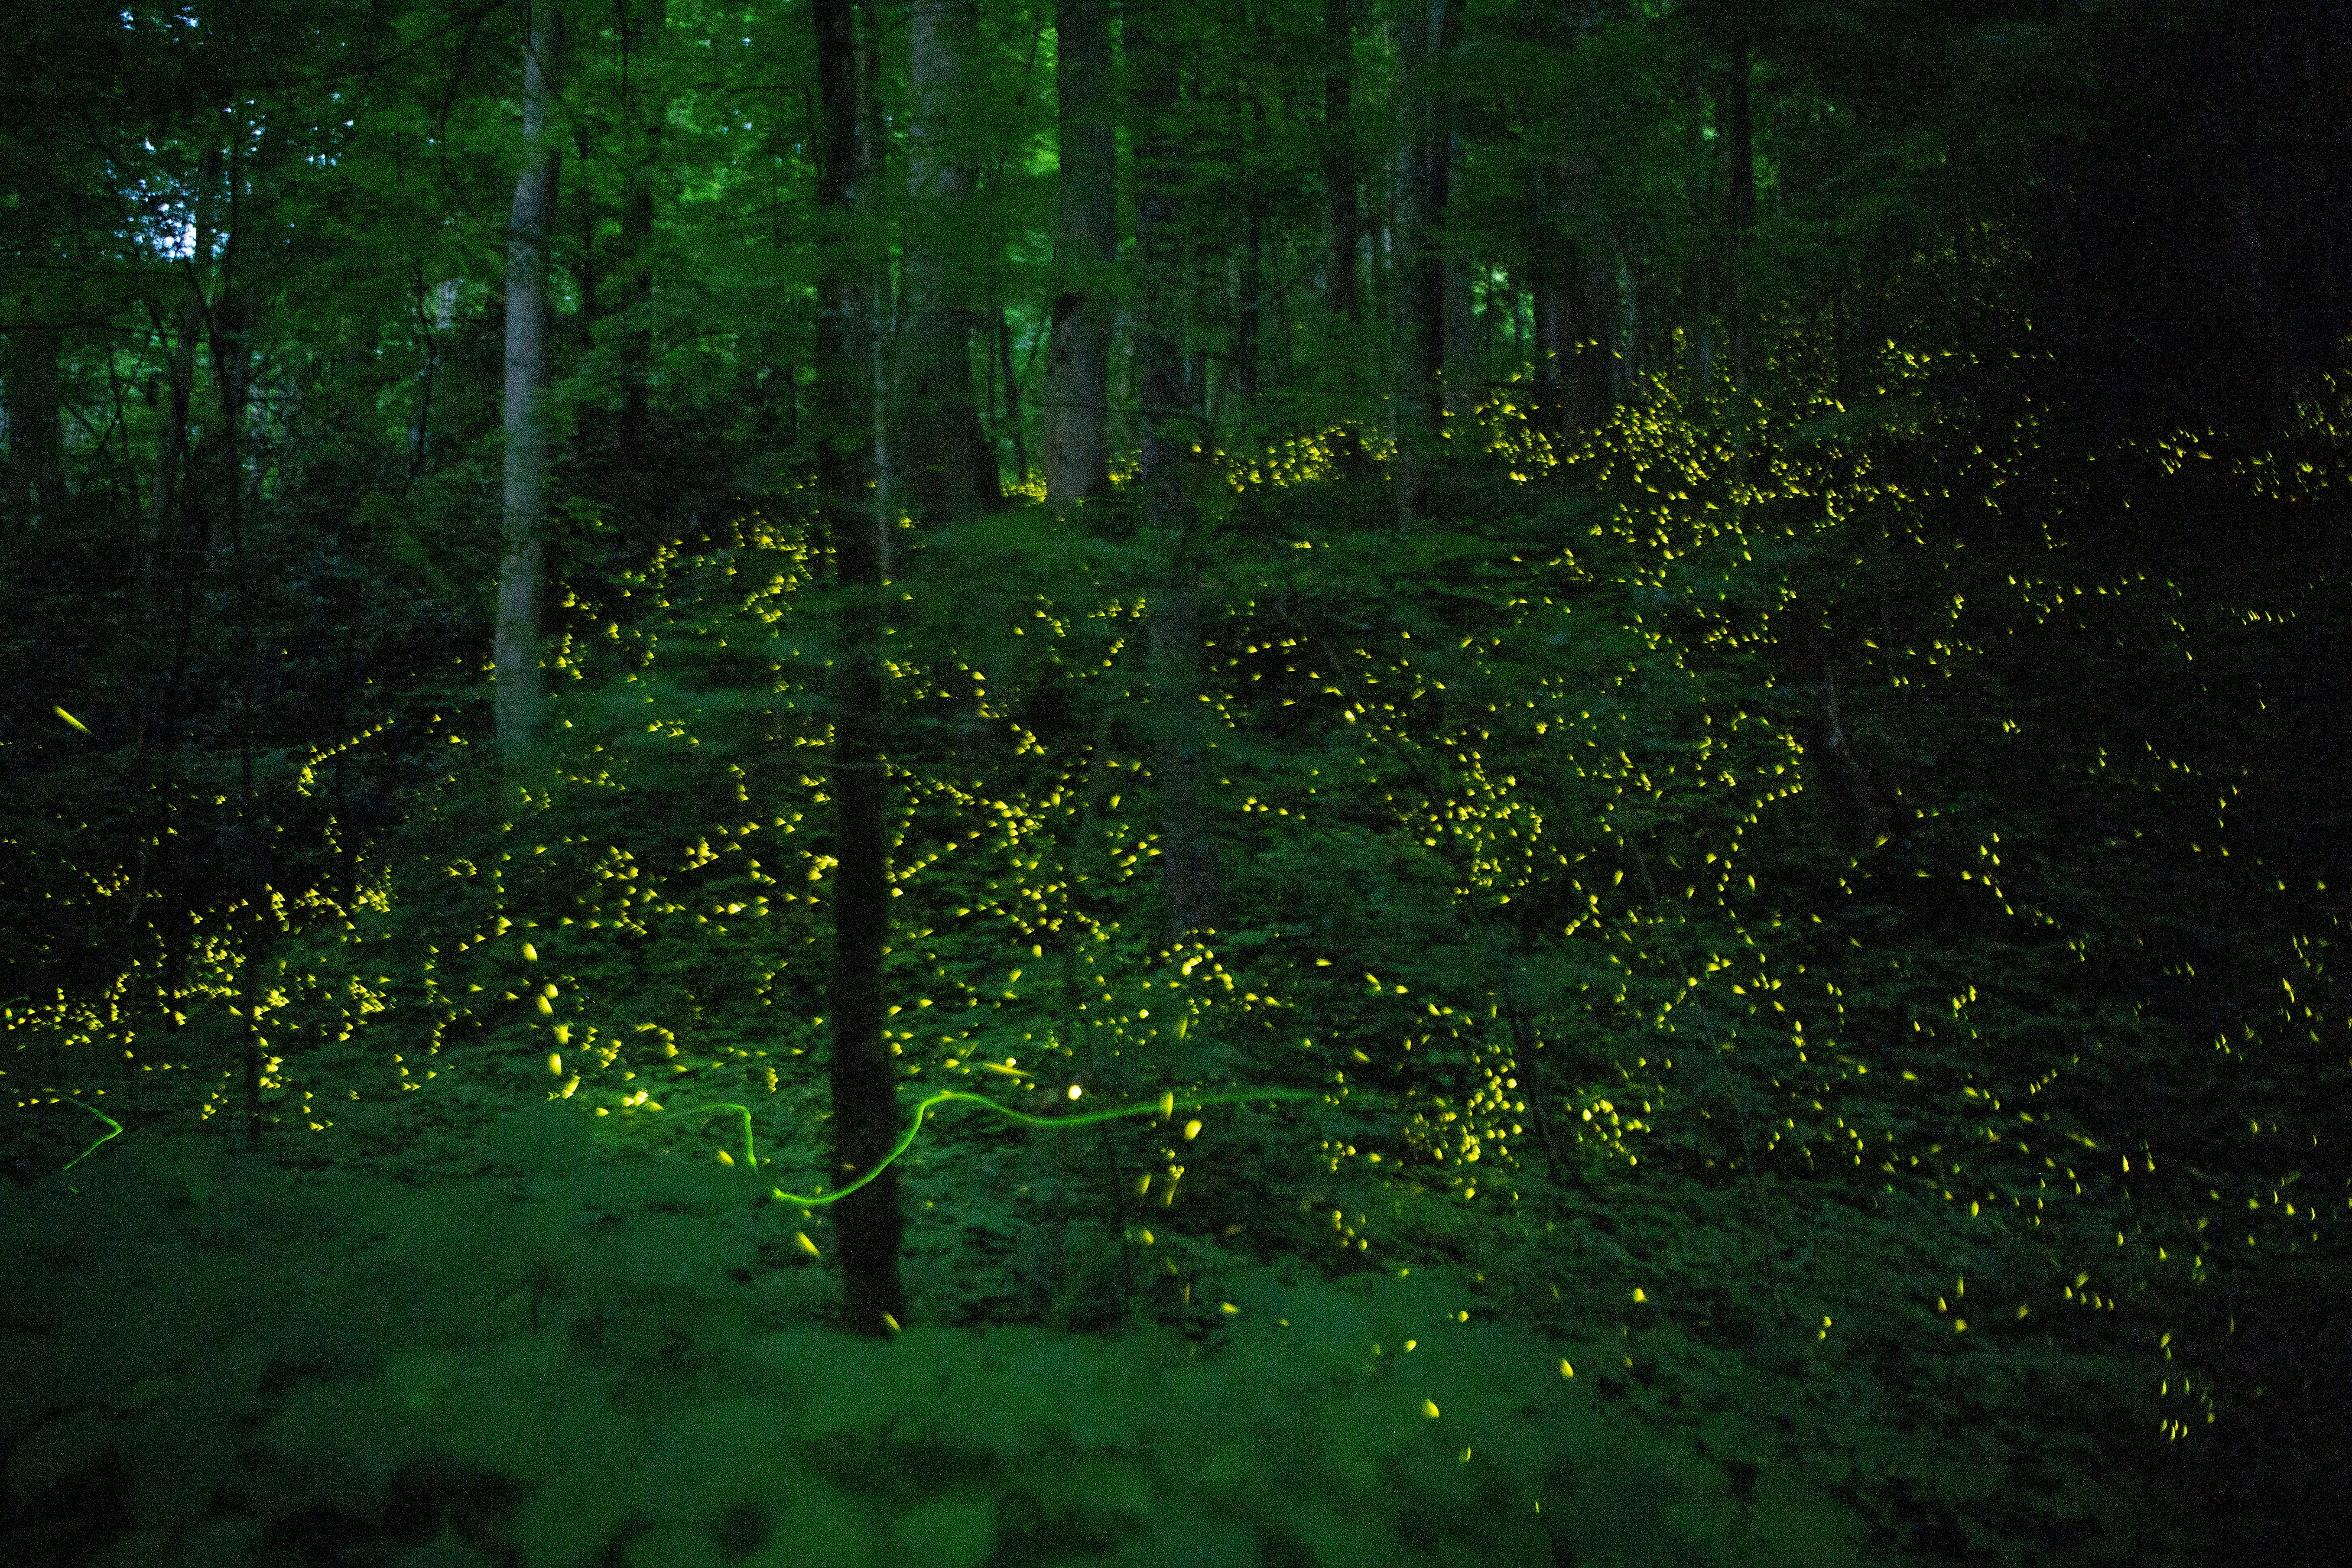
x=1425 y=33
x=641 y=25
x=36 y=449
x=943 y=459
x=864 y=1117
x=1085 y=245
x=522 y=684
x=1172 y=430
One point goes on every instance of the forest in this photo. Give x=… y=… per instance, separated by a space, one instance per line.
x=925 y=783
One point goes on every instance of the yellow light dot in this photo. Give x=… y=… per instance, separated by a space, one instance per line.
x=1566 y=1370
x=801 y=1240
x=1192 y=1129
x=530 y=953
x=1429 y=1408
x=1638 y=1296
x=555 y=1063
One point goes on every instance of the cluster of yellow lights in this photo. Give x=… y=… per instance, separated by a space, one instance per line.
x=1478 y=773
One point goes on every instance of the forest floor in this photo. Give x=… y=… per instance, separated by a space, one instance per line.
x=520 y=1343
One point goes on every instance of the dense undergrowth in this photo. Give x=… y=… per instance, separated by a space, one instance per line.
x=1802 y=1076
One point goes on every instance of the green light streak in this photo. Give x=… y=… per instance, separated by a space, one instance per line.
x=113 y=1129
x=1166 y=1106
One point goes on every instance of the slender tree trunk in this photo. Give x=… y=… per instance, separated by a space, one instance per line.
x=1172 y=428
x=1012 y=397
x=172 y=459
x=1574 y=327
x=587 y=274
x=1740 y=209
x=182 y=543
x=230 y=324
x=1344 y=215
x=864 y=1110
x=433 y=319
x=882 y=293
x=1343 y=256
x=37 y=444
x=641 y=25
x=1249 y=282
x=520 y=686
x=1631 y=362
x=1085 y=245
x=1594 y=362
x=1419 y=297
x=1864 y=814
x=1551 y=311
x=1458 y=304
x=1249 y=291
x=944 y=458
x=1707 y=250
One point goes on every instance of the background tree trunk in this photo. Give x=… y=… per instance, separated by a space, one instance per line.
x=1738 y=206
x=1085 y=244
x=36 y=443
x=864 y=1110
x=521 y=685
x=1172 y=427
x=944 y=459
x=644 y=108
x=1344 y=219
x=1417 y=299
x=1458 y=300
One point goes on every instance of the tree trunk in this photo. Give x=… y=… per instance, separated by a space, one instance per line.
x=1172 y=428
x=230 y=325
x=864 y=1110
x=37 y=444
x=1419 y=297
x=520 y=686
x=945 y=461
x=180 y=546
x=1866 y=816
x=1344 y=219
x=1085 y=245
x=1593 y=360
x=1012 y=397
x=641 y=25
x=1249 y=282
x=1739 y=209
x=435 y=313
x=1458 y=302
x=1249 y=296
x=1629 y=363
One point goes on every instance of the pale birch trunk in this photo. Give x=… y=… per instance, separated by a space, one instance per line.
x=519 y=684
